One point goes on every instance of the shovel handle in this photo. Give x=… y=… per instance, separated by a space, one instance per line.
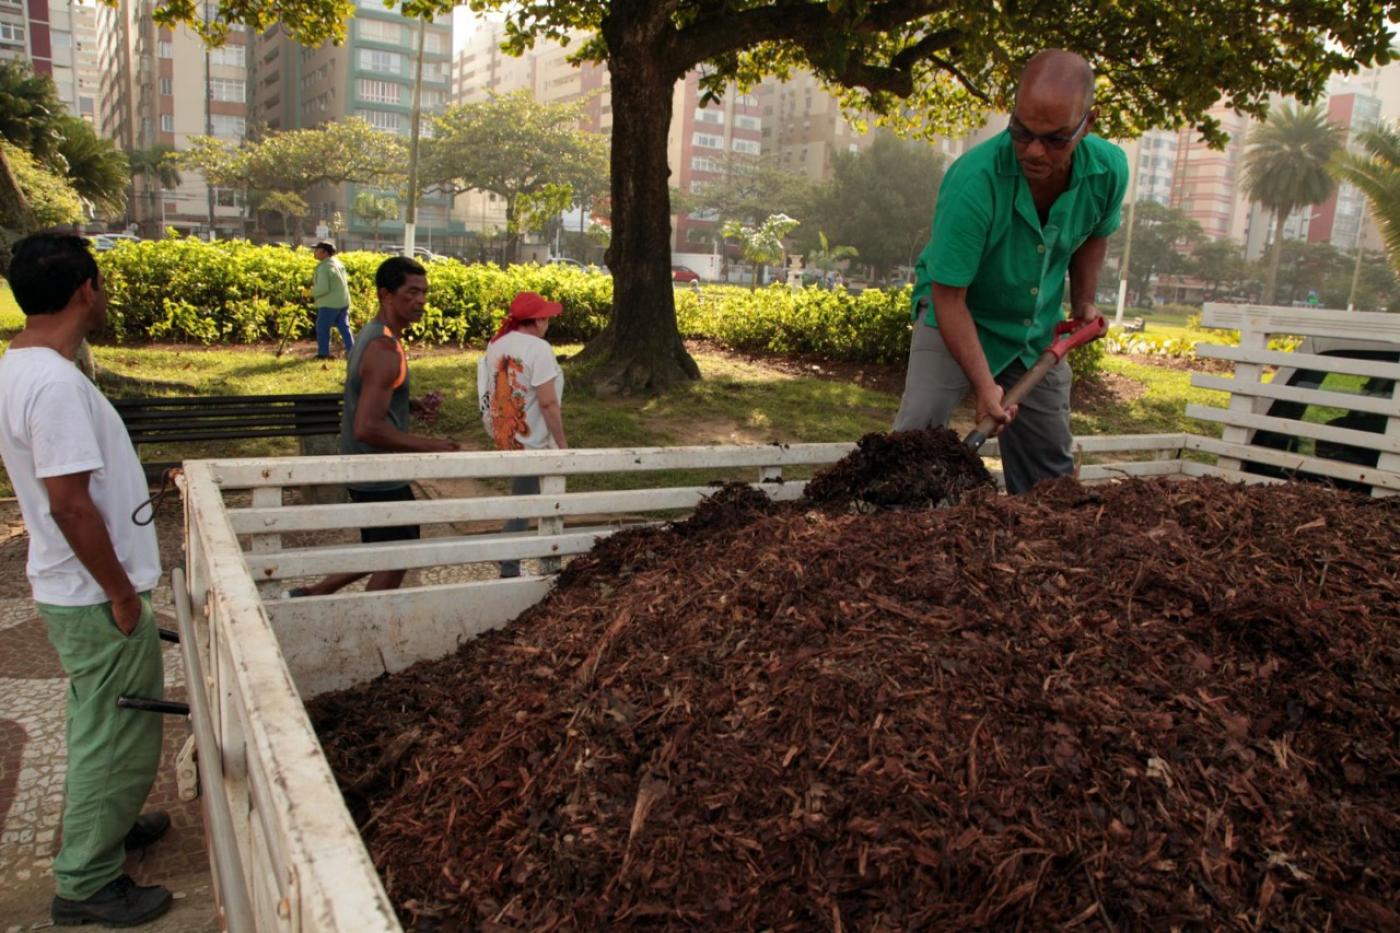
x=1067 y=336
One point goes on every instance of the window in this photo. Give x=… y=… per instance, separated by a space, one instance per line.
x=380 y=92
x=165 y=49
x=704 y=164
x=167 y=123
x=228 y=89
x=167 y=87
x=12 y=32
x=433 y=100
x=379 y=31
x=229 y=127
x=707 y=141
x=435 y=71
x=231 y=56
x=746 y=146
x=434 y=43
x=709 y=116
x=432 y=215
x=382 y=120
x=61 y=40
x=383 y=62
x=228 y=197
x=747 y=123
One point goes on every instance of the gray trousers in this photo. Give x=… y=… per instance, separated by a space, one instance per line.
x=519 y=486
x=1037 y=445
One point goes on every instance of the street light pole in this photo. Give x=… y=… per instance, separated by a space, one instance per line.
x=411 y=214
x=1127 y=239
x=1356 y=269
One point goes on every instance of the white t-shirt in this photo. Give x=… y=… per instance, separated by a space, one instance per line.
x=507 y=383
x=54 y=422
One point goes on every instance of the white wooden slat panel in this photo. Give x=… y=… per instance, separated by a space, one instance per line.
x=1296 y=463
x=298 y=471
x=1347 y=400
x=334 y=642
x=431 y=552
x=1129 y=443
x=1304 y=322
x=339 y=887
x=486 y=508
x=1331 y=364
x=1097 y=472
x=1370 y=440
x=1196 y=470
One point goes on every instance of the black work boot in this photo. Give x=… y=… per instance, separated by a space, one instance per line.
x=147 y=829
x=120 y=903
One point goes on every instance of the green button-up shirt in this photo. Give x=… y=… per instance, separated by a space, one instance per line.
x=988 y=238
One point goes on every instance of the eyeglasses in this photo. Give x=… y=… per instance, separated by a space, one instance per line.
x=1025 y=137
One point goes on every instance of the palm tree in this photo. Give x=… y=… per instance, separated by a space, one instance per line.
x=1286 y=168
x=156 y=166
x=1376 y=172
x=97 y=169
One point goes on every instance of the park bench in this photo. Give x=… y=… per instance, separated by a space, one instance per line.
x=159 y=420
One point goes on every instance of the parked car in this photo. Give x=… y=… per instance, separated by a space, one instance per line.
x=564 y=261
x=102 y=242
x=419 y=252
x=684 y=274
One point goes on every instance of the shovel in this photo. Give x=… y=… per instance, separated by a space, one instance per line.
x=1067 y=336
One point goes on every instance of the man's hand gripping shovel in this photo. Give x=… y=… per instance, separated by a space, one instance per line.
x=1067 y=336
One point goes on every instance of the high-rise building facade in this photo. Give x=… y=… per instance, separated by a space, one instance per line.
x=804 y=127
x=57 y=38
x=160 y=87
x=371 y=77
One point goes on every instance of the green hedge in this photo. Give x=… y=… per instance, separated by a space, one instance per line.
x=235 y=292
x=231 y=291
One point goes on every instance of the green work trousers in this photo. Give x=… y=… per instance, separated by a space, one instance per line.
x=112 y=753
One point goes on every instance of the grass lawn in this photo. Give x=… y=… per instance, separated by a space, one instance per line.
x=736 y=402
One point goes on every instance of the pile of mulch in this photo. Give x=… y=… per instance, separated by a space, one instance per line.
x=908 y=469
x=1149 y=705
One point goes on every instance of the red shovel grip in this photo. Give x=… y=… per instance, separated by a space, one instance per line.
x=1079 y=333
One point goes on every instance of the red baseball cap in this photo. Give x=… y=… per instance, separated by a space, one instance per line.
x=530 y=306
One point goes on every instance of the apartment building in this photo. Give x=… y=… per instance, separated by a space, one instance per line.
x=804 y=127
x=704 y=136
x=57 y=38
x=160 y=87
x=372 y=77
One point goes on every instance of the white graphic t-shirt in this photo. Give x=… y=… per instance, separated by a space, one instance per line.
x=507 y=382
x=54 y=422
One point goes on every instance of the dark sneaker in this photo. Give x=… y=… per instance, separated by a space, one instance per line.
x=120 y=903
x=147 y=829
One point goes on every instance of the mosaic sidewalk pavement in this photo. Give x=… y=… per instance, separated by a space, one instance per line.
x=32 y=762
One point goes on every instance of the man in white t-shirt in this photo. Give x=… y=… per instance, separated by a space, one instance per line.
x=91 y=569
x=520 y=387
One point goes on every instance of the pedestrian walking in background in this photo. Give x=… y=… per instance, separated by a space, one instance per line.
x=330 y=289
x=520 y=387
x=377 y=408
x=91 y=569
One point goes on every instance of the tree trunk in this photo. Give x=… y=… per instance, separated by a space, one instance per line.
x=1275 y=254
x=641 y=350
x=512 y=234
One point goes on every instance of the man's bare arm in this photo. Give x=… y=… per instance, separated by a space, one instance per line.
x=1084 y=268
x=379 y=369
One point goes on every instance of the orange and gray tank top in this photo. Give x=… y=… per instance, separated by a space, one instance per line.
x=398 y=402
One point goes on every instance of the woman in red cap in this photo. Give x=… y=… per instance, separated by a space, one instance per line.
x=519 y=385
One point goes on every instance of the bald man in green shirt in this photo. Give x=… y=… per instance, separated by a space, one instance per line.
x=1015 y=215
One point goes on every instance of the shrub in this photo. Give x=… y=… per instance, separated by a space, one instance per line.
x=231 y=291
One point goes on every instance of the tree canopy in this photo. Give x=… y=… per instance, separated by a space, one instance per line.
x=881 y=201
x=936 y=65
x=530 y=154
x=1163 y=238
x=1286 y=167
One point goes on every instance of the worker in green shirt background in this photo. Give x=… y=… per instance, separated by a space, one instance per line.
x=331 y=291
x=1014 y=215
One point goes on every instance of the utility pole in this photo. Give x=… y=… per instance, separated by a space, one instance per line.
x=208 y=120
x=411 y=214
x=1360 y=252
x=1127 y=239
